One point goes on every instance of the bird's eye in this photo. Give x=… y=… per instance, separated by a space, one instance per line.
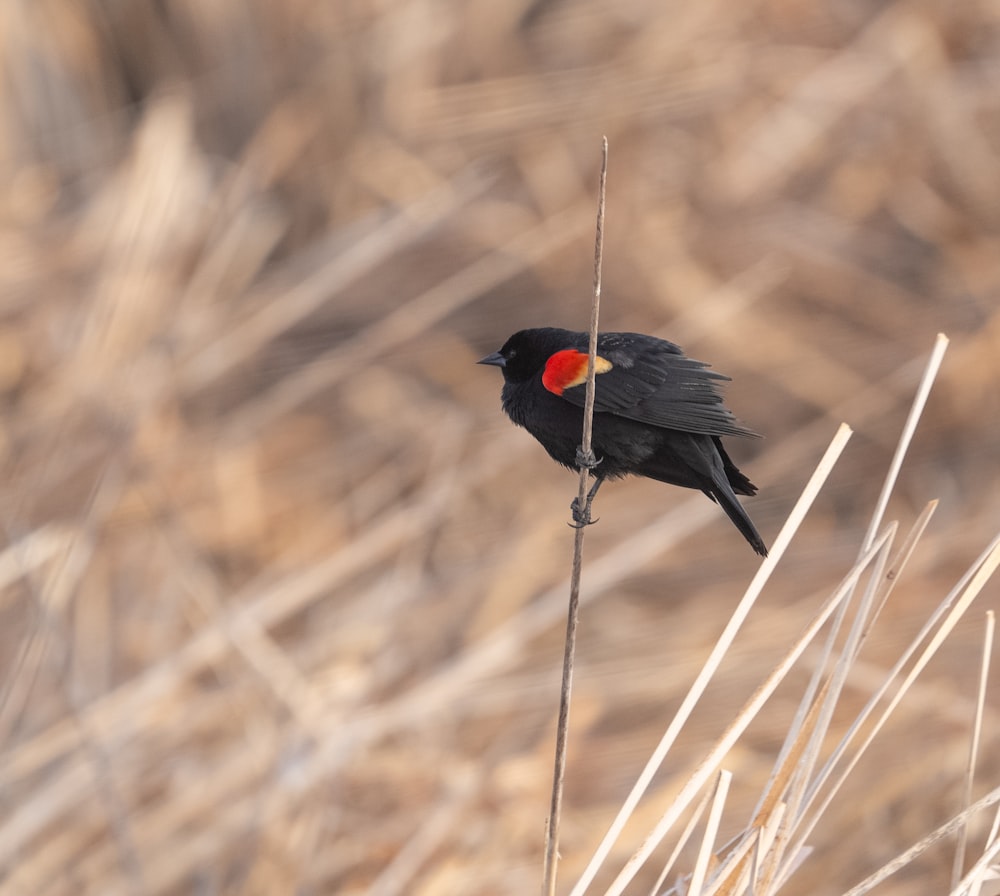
x=510 y=353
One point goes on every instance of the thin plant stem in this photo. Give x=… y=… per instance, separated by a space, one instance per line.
x=587 y=463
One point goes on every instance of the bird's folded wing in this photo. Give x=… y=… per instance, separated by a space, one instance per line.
x=662 y=387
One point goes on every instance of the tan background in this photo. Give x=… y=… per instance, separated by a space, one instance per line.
x=283 y=590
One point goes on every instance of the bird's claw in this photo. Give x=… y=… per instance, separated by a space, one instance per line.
x=581 y=507
x=581 y=515
x=586 y=460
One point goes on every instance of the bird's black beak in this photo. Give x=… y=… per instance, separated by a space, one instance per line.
x=494 y=360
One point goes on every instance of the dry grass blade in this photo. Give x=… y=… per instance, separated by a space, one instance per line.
x=682 y=841
x=974 y=741
x=706 y=851
x=909 y=428
x=736 y=868
x=898 y=563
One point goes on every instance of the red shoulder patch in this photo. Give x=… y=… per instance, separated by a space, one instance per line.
x=568 y=368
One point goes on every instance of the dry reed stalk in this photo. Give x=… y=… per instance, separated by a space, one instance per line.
x=582 y=520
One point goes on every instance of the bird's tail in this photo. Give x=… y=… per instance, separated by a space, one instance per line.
x=723 y=493
x=727 y=482
x=700 y=461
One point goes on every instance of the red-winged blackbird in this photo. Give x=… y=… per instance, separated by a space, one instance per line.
x=656 y=413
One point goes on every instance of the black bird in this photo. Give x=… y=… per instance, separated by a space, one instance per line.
x=657 y=413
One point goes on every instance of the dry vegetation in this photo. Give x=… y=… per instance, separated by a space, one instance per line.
x=283 y=592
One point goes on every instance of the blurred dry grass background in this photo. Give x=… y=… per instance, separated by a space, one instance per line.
x=283 y=591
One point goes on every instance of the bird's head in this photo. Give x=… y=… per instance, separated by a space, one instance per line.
x=526 y=352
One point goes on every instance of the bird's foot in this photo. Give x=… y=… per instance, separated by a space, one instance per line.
x=581 y=511
x=586 y=459
x=581 y=514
